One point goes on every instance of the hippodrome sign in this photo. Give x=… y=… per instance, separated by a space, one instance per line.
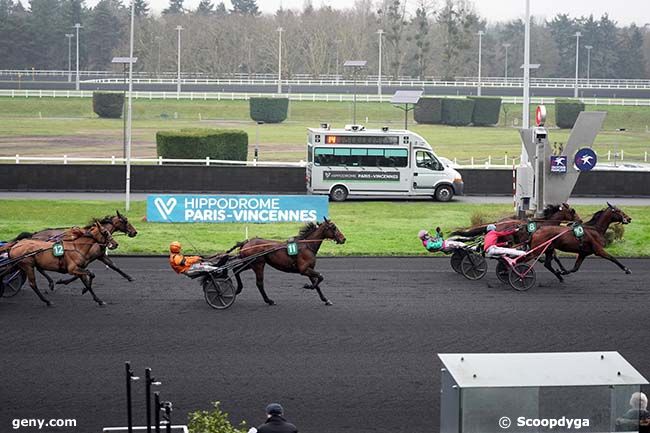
x=186 y=208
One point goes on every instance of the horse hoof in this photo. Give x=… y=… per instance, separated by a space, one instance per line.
x=130 y=280
x=628 y=271
x=270 y=302
x=49 y=303
x=101 y=303
x=328 y=303
x=308 y=287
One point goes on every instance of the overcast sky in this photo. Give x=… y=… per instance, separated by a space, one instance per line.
x=623 y=11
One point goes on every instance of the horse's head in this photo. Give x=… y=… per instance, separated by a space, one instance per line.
x=618 y=216
x=102 y=236
x=563 y=212
x=122 y=224
x=330 y=231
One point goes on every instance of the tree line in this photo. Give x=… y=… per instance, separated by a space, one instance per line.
x=437 y=39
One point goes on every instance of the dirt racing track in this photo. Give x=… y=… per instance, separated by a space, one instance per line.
x=366 y=364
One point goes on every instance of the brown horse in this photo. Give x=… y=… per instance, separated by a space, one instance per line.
x=592 y=242
x=553 y=215
x=80 y=247
x=115 y=223
x=274 y=253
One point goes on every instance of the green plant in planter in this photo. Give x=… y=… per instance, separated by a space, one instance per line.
x=214 y=421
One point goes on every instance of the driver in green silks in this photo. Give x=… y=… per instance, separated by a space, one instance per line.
x=437 y=242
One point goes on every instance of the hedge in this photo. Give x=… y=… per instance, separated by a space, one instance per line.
x=108 y=105
x=567 y=111
x=226 y=144
x=269 y=110
x=428 y=110
x=486 y=110
x=457 y=112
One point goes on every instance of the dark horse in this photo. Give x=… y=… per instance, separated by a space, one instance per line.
x=553 y=215
x=309 y=240
x=80 y=247
x=592 y=242
x=115 y=223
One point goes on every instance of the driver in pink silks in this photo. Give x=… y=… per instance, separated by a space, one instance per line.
x=493 y=245
x=437 y=243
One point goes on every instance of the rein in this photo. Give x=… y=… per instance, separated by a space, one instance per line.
x=284 y=244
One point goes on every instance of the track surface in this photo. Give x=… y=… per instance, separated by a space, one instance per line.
x=366 y=364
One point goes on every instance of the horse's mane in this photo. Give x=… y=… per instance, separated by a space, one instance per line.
x=551 y=209
x=307 y=229
x=104 y=220
x=595 y=217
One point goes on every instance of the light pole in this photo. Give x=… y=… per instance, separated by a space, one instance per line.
x=69 y=36
x=480 y=43
x=337 y=42
x=577 y=35
x=178 y=84
x=355 y=65
x=525 y=117
x=588 y=47
x=380 y=32
x=130 y=112
x=77 y=26
x=158 y=38
x=505 y=75
x=280 y=30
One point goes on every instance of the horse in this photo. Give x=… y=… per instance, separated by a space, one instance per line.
x=80 y=247
x=114 y=223
x=592 y=241
x=309 y=240
x=552 y=215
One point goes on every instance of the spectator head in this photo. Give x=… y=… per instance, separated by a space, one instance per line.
x=274 y=409
x=639 y=401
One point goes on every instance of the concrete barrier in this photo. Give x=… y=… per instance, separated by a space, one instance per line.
x=281 y=180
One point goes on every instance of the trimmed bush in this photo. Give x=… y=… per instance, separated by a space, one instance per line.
x=227 y=144
x=567 y=111
x=269 y=110
x=428 y=110
x=486 y=110
x=457 y=112
x=109 y=105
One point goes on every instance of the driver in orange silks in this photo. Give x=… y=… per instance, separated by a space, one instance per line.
x=187 y=265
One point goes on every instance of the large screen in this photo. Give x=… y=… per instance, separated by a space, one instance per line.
x=362 y=139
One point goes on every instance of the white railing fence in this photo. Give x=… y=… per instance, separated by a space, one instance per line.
x=312 y=97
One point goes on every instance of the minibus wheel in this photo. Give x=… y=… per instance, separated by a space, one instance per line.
x=444 y=193
x=339 y=193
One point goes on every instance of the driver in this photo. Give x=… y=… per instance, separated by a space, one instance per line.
x=438 y=243
x=493 y=243
x=183 y=264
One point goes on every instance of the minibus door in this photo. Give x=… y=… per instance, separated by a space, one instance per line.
x=426 y=172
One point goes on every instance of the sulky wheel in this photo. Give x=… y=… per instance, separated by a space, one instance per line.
x=473 y=266
x=522 y=277
x=456 y=258
x=12 y=283
x=219 y=292
x=503 y=271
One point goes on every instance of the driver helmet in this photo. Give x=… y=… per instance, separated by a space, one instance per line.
x=175 y=247
x=423 y=234
x=490 y=227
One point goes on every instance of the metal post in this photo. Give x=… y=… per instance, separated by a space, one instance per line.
x=525 y=120
x=354 y=102
x=280 y=30
x=124 y=110
x=158 y=66
x=588 y=47
x=69 y=36
x=147 y=381
x=157 y=408
x=505 y=74
x=577 y=35
x=480 y=43
x=77 y=26
x=337 y=42
x=129 y=409
x=178 y=84
x=257 y=140
x=380 y=33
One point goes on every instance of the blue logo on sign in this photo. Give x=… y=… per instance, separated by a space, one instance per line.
x=236 y=208
x=558 y=164
x=585 y=159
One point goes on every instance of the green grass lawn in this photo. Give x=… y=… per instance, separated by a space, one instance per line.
x=371 y=228
x=57 y=126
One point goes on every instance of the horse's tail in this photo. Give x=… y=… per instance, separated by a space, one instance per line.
x=237 y=245
x=23 y=235
x=471 y=232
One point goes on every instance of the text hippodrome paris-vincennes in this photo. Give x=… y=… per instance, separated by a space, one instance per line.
x=243 y=209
